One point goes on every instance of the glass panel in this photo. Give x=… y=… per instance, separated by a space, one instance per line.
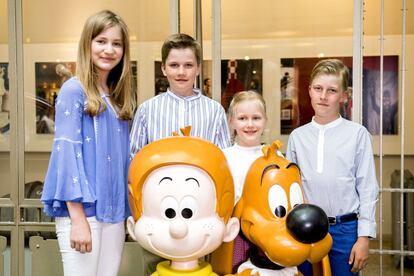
x=277 y=33
x=188 y=26
x=6 y=214
x=391 y=222
x=4 y=104
x=5 y=253
x=392 y=61
x=49 y=59
x=409 y=121
x=392 y=107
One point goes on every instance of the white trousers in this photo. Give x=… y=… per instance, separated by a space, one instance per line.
x=107 y=245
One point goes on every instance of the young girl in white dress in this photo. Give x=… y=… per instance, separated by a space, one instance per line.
x=247 y=120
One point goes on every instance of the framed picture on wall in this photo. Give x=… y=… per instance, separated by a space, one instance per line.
x=296 y=109
x=295 y=101
x=239 y=75
x=49 y=77
x=372 y=95
x=160 y=81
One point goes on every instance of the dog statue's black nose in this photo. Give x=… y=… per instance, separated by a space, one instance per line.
x=307 y=223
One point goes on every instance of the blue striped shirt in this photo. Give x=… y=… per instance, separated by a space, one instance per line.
x=167 y=112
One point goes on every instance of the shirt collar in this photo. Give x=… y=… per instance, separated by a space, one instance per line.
x=255 y=148
x=196 y=95
x=329 y=125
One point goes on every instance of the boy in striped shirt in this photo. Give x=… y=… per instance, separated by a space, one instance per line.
x=182 y=104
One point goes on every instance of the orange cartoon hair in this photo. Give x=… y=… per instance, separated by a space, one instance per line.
x=182 y=150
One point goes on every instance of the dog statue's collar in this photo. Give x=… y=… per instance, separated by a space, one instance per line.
x=259 y=259
x=287 y=271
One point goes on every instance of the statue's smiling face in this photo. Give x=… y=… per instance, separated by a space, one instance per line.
x=179 y=219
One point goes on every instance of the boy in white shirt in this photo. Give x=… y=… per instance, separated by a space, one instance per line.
x=337 y=166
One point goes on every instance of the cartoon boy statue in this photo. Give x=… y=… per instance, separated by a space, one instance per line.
x=182 y=197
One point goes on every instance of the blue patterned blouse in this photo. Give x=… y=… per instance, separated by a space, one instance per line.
x=89 y=161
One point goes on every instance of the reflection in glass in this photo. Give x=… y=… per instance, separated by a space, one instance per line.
x=49 y=78
x=371 y=97
x=4 y=99
x=239 y=75
x=5 y=187
x=6 y=214
x=5 y=253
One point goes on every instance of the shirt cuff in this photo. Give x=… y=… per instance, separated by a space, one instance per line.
x=367 y=228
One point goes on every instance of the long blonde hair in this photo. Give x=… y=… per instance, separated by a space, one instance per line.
x=120 y=77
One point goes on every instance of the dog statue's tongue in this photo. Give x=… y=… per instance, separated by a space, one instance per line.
x=259 y=259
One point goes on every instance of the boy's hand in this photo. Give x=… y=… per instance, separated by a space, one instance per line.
x=359 y=254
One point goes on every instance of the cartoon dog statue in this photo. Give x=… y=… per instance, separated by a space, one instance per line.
x=182 y=199
x=282 y=230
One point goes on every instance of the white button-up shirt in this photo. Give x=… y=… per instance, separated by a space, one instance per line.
x=338 y=170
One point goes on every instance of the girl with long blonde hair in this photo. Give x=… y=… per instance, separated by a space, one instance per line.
x=86 y=183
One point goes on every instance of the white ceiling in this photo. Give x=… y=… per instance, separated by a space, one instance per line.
x=54 y=21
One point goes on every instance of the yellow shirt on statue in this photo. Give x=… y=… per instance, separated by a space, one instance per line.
x=164 y=269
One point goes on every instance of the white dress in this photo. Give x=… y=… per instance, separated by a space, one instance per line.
x=239 y=159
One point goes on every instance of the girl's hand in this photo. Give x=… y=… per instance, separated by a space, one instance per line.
x=80 y=232
x=80 y=235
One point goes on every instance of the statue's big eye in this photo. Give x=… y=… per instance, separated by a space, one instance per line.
x=170 y=213
x=187 y=213
x=296 y=195
x=169 y=207
x=189 y=207
x=277 y=200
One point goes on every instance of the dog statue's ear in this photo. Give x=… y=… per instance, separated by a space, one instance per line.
x=238 y=209
x=272 y=150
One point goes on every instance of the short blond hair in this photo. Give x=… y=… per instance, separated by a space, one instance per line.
x=331 y=67
x=244 y=96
